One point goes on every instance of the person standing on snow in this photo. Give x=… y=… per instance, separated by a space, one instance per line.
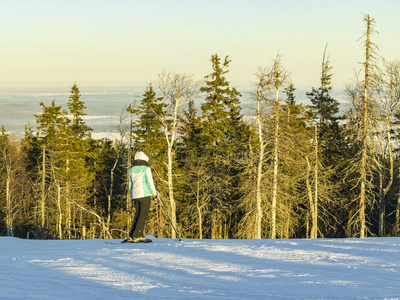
x=142 y=190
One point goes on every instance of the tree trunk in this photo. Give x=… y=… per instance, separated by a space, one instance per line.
x=128 y=196
x=259 y=211
x=43 y=198
x=110 y=193
x=315 y=216
x=397 y=225
x=275 y=162
x=171 y=192
x=311 y=201
x=108 y=211
x=199 y=212
x=362 y=205
x=397 y=222
x=60 y=236
x=382 y=203
x=363 y=171
x=128 y=167
x=9 y=212
x=287 y=223
x=170 y=154
x=68 y=213
x=213 y=225
x=381 y=211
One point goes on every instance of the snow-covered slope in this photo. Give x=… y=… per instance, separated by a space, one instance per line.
x=201 y=269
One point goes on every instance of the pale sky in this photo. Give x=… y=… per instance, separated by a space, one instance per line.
x=121 y=43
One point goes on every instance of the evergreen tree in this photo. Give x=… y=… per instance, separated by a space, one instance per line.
x=326 y=107
x=148 y=136
x=328 y=147
x=78 y=175
x=148 y=129
x=222 y=138
x=292 y=108
x=196 y=183
x=224 y=130
x=52 y=129
x=191 y=129
x=52 y=120
x=64 y=155
x=77 y=107
x=326 y=111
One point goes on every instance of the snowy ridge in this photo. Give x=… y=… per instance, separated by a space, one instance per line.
x=201 y=269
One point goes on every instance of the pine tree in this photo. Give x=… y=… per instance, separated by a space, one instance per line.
x=76 y=150
x=148 y=136
x=52 y=124
x=223 y=137
x=326 y=107
x=148 y=128
x=191 y=129
x=327 y=144
x=64 y=154
x=221 y=110
x=77 y=109
x=326 y=111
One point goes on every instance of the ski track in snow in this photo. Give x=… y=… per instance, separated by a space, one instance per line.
x=201 y=269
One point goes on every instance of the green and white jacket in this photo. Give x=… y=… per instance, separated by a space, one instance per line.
x=141 y=180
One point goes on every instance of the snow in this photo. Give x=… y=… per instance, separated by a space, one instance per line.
x=200 y=269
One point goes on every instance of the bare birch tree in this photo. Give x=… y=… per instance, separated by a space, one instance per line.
x=177 y=90
x=278 y=77
x=11 y=184
x=387 y=90
x=263 y=85
x=391 y=96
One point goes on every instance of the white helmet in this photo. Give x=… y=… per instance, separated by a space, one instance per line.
x=141 y=156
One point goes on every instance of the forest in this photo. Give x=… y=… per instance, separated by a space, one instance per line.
x=285 y=170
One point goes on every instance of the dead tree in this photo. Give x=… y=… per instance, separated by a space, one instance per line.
x=177 y=90
x=263 y=85
x=278 y=76
x=370 y=50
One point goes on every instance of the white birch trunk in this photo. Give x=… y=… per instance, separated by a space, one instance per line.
x=59 y=211
x=275 y=162
x=9 y=212
x=311 y=201
x=259 y=211
x=199 y=212
x=68 y=212
x=43 y=198
x=315 y=216
x=170 y=145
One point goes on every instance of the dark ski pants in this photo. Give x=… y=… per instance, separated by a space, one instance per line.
x=142 y=207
